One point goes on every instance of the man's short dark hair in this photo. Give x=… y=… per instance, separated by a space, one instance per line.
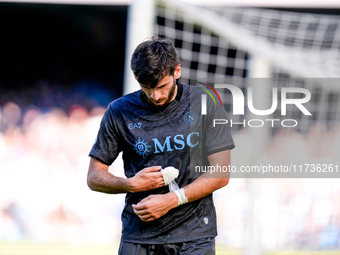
x=154 y=59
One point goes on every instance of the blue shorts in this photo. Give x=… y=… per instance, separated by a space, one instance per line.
x=204 y=246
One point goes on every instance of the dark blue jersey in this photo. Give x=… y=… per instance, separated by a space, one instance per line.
x=176 y=135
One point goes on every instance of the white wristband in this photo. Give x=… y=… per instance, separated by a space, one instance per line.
x=182 y=199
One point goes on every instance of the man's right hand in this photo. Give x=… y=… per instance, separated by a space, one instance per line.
x=147 y=179
x=99 y=179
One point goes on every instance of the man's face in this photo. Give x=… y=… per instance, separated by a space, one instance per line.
x=163 y=93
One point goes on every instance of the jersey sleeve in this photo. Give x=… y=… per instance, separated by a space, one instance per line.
x=217 y=138
x=106 y=147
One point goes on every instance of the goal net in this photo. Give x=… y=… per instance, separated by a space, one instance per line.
x=216 y=45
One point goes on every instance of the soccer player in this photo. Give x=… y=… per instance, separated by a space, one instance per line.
x=158 y=126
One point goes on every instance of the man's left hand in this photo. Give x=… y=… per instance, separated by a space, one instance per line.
x=155 y=206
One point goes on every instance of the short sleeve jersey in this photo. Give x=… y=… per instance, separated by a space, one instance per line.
x=177 y=136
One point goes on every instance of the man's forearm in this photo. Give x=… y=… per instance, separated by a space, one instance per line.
x=103 y=181
x=209 y=182
x=204 y=186
x=100 y=179
x=201 y=187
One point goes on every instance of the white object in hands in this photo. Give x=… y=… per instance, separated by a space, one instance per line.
x=169 y=175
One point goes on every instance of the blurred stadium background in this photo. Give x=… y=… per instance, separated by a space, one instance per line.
x=62 y=62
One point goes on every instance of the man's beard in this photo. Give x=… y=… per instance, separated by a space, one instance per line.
x=168 y=100
x=171 y=93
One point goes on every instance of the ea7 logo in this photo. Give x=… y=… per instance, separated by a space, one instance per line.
x=134 y=125
x=238 y=100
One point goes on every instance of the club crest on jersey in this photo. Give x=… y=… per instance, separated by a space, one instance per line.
x=191 y=117
x=141 y=147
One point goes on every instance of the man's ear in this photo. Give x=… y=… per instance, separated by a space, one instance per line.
x=177 y=72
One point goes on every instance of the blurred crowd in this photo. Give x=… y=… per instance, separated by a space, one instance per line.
x=43 y=167
x=44 y=196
